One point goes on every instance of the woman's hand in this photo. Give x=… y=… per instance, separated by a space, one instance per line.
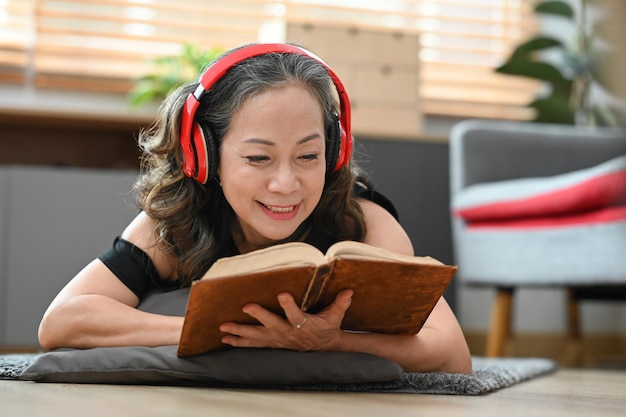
x=299 y=331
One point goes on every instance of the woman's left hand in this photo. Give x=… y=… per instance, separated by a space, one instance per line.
x=299 y=331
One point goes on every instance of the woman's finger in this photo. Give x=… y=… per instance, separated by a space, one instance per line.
x=339 y=307
x=295 y=316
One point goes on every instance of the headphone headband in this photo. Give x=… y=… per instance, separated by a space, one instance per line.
x=197 y=167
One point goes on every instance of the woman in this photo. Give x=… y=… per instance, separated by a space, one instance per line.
x=250 y=155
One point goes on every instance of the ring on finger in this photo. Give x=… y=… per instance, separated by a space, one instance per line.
x=299 y=325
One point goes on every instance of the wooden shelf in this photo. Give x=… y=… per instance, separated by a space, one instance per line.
x=63 y=139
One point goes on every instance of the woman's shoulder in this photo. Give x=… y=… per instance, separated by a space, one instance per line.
x=365 y=192
x=374 y=212
x=141 y=232
x=383 y=228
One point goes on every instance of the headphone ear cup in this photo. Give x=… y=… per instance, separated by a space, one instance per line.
x=345 y=149
x=333 y=144
x=199 y=156
x=205 y=153
x=338 y=147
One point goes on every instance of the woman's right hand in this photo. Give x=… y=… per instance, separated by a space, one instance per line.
x=300 y=331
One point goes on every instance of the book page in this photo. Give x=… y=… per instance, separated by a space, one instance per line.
x=360 y=250
x=283 y=255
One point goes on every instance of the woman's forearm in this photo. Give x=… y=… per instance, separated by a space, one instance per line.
x=439 y=346
x=88 y=321
x=428 y=351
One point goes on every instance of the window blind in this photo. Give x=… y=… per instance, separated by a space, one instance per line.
x=461 y=41
x=16 y=39
x=104 y=45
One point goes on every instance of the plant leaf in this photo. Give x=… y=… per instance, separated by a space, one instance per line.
x=536 y=44
x=552 y=109
x=532 y=69
x=169 y=72
x=137 y=96
x=557 y=8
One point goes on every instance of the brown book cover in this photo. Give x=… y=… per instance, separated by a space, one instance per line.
x=392 y=293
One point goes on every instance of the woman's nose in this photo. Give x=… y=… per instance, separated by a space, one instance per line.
x=283 y=180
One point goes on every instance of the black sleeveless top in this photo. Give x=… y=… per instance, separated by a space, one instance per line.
x=136 y=270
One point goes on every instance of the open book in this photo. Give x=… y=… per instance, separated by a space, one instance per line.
x=393 y=293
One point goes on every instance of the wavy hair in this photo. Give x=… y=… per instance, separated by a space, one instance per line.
x=194 y=221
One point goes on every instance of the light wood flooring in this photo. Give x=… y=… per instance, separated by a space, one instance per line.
x=566 y=393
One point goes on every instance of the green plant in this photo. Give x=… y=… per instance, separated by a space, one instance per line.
x=169 y=72
x=572 y=72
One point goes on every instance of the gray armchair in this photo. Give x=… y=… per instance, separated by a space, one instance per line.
x=538 y=205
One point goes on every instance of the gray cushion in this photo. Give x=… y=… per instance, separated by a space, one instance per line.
x=160 y=365
x=591 y=254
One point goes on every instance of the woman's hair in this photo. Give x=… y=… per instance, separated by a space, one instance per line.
x=194 y=221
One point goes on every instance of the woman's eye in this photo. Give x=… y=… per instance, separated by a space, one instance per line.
x=310 y=157
x=255 y=159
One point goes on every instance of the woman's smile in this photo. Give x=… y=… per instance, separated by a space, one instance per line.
x=280 y=212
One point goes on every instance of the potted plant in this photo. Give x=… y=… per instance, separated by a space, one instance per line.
x=575 y=68
x=169 y=72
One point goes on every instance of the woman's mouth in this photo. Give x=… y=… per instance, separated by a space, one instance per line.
x=279 y=209
x=280 y=212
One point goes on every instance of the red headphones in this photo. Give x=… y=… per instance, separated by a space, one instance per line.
x=198 y=145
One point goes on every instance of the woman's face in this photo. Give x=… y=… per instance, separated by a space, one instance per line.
x=272 y=163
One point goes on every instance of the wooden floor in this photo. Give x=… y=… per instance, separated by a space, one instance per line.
x=568 y=392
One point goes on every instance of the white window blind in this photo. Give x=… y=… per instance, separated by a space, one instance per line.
x=462 y=41
x=103 y=45
x=16 y=39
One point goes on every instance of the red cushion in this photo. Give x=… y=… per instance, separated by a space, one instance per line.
x=562 y=195
x=602 y=216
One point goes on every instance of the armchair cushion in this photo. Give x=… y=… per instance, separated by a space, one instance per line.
x=568 y=194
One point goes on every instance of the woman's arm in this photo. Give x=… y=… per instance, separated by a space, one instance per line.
x=96 y=309
x=439 y=346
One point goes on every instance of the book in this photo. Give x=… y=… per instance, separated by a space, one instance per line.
x=392 y=293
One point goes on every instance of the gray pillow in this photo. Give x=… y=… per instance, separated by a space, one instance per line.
x=160 y=365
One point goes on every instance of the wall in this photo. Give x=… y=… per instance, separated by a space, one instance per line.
x=414 y=176
x=4 y=192
x=55 y=220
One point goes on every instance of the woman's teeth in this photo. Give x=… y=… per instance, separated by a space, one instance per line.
x=280 y=209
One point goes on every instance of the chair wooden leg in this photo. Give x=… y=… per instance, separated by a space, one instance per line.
x=574 y=340
x=500 y=327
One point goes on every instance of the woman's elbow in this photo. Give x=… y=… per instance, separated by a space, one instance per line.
x=51 y=335
x=47 y=337
x=459 y=358
x=463 y=363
